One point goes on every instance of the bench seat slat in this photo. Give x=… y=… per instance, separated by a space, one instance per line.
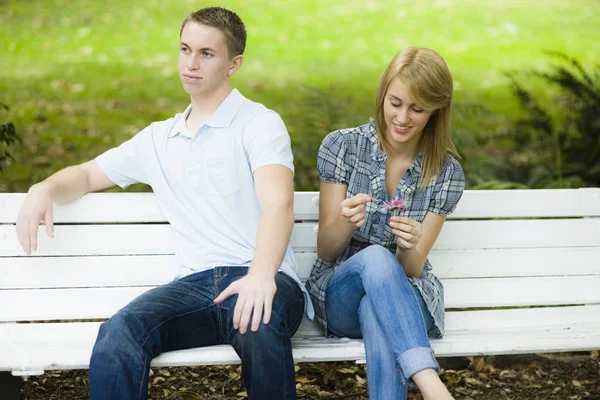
x=91 y=303
x=156 y=239
x=68 y=346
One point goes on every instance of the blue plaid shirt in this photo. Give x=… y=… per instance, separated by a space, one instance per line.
x=352 y=157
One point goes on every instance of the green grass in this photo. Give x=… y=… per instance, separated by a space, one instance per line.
x=82 y=76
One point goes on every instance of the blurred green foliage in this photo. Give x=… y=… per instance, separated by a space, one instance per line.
x=8 y=136
x=82 y=77
x=544 y=148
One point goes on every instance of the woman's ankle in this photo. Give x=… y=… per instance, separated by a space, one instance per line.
x=431 y=386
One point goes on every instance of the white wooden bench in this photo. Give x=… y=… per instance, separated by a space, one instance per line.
x=521 y=271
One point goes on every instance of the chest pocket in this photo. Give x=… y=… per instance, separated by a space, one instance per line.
x=220 y=177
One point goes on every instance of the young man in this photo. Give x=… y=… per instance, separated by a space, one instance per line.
x=222 y=174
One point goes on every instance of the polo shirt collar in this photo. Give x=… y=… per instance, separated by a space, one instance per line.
x=221 y=118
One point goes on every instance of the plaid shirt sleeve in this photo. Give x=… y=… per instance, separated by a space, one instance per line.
x=331 y=161
x=448 y=189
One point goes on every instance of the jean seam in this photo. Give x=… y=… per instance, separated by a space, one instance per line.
x=297 y=326
x=219 y=277
x=143 y=343
x=420 y=312
x=142 y=380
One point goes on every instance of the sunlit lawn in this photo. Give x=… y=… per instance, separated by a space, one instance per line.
x=82 y=76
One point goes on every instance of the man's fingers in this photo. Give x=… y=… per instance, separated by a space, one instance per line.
x=268 y=306
x=245 y=317
x=257 y=314
x=22 y=235
x=49 y=222
x=237 y=311
x=33 y=230
x=229 y=291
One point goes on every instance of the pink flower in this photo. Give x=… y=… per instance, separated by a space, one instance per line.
x=394 y=204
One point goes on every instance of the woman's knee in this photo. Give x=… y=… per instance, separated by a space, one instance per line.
x=380 y=265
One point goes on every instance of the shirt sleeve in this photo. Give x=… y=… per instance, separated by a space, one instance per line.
x=124 y=165
x=448 y=189
x=331 y=161
x=268 y=142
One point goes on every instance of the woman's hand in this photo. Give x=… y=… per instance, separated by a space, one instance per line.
x=408 y=232
x=353 y=209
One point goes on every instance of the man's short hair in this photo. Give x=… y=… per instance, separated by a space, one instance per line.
x=224 y=20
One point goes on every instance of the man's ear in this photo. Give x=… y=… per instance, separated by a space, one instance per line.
x=236 y=63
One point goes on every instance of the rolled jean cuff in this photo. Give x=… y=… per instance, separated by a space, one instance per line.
x=415 y=360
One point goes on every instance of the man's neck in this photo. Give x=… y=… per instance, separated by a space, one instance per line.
x=203 y=107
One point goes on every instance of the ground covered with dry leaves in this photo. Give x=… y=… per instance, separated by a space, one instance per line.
x=544 y=377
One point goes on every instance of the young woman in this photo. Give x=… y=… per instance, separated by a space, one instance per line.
x=372 y=278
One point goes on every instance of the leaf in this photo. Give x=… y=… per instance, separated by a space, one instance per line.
x=478 y=364
x=347 y=370
x=164 y=372
x=303 y=379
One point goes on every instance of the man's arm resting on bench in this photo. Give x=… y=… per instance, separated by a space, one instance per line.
x=64 y=186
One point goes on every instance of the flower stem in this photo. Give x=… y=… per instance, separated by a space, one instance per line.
x=390 y=240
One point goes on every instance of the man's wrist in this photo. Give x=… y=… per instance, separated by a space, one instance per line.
x=263 y=270
x=44 y=187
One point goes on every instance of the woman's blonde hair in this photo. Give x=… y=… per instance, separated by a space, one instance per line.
x=429 y=82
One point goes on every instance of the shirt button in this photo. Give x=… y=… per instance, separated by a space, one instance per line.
x=194 y=144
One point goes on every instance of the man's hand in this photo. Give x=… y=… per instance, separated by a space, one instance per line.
x=255 y=295
x=36 y=207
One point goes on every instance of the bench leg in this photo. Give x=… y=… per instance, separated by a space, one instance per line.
x=10 y=386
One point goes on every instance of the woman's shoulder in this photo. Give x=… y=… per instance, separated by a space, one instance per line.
x=352 y=138
x=451 y=168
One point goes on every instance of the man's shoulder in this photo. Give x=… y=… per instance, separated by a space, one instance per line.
x=253 y=115
x=251 y=109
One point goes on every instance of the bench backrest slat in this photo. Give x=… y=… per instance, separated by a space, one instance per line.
x=114 y=271
x=141 y=207
x=128 y=239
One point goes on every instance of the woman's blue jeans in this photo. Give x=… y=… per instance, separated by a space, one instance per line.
x=369 y=296
x=182 y=315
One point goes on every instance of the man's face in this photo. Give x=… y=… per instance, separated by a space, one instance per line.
x=204 y=64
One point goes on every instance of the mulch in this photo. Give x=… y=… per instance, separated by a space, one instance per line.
x=571 y=376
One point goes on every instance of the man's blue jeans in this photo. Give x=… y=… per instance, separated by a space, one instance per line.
x=182 y=315
x=369 y=296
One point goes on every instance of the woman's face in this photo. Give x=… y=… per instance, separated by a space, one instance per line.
x=404 y=118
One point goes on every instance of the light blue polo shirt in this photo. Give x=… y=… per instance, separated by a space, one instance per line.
x=204 y=182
